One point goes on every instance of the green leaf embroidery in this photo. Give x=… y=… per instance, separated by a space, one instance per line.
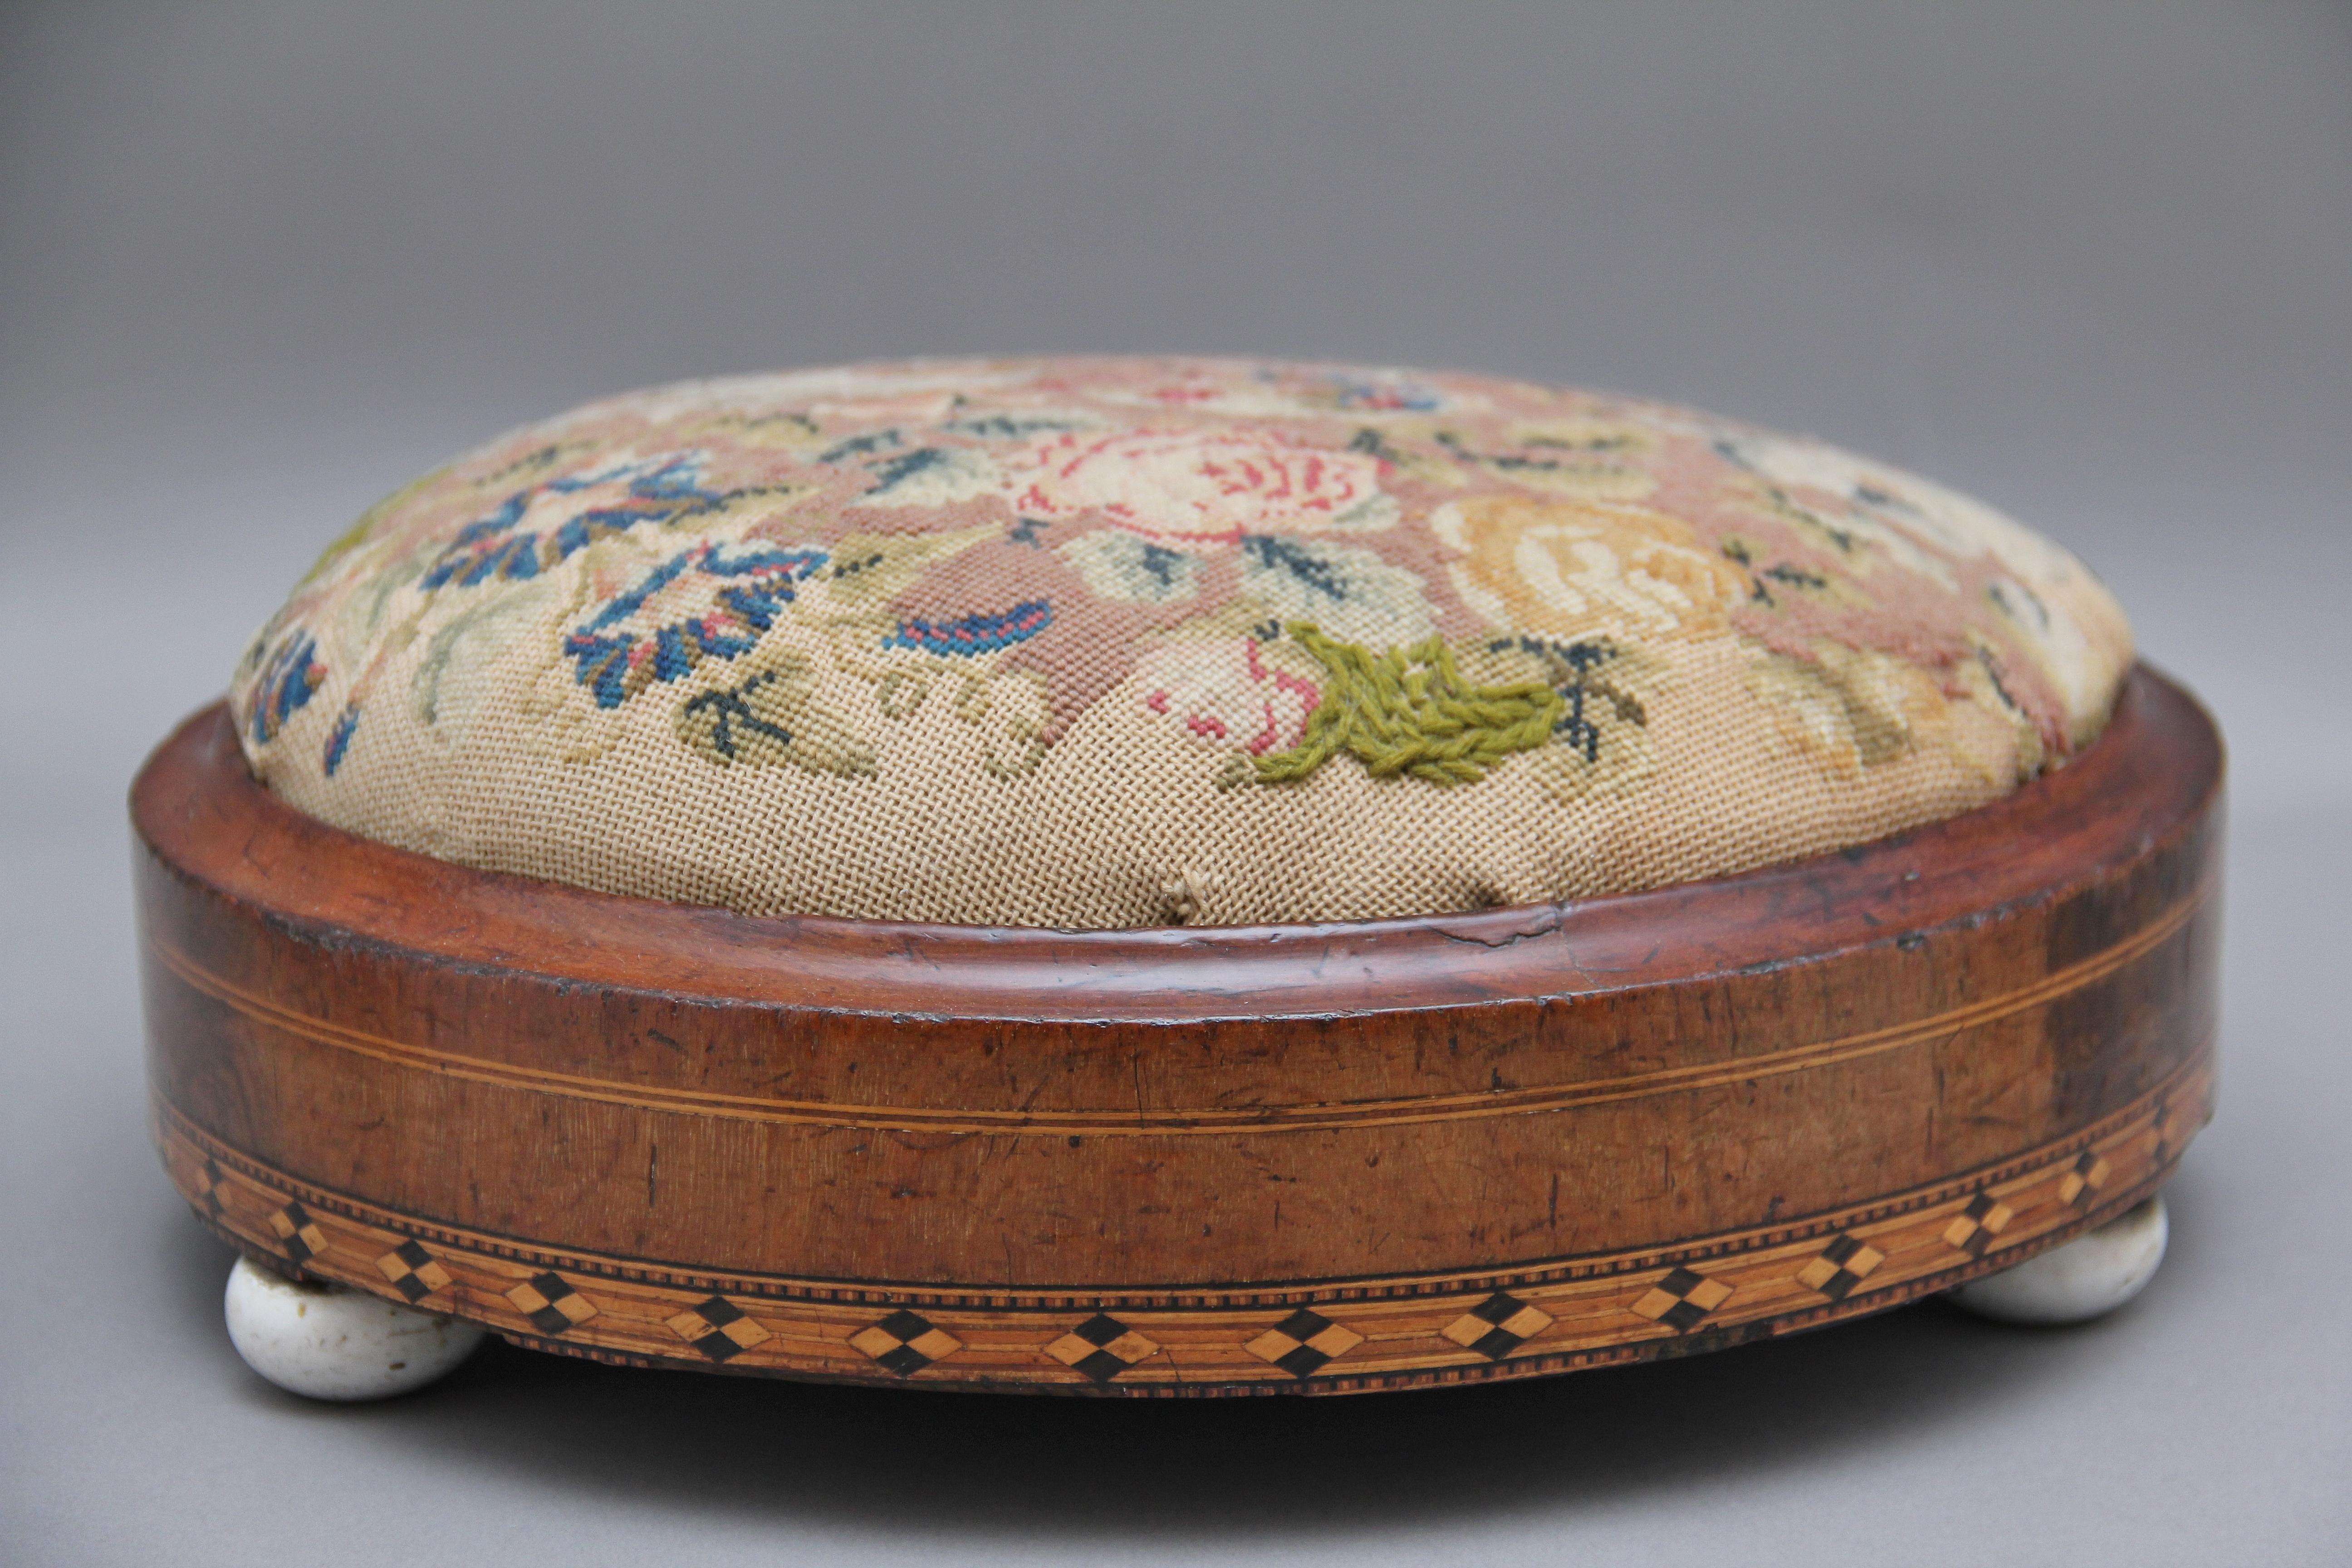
x=1409 y=711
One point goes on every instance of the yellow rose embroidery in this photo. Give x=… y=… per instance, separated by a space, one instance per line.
x=1566 y=568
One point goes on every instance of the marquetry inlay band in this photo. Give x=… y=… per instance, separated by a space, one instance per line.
x=1254 y=1337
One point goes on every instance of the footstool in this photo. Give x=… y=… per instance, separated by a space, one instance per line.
x=1167 y=877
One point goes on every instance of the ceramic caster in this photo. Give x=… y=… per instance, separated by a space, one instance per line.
x=2088 y=1278
x=324 y=1341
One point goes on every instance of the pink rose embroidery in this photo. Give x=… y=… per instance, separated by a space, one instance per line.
x=1200 y=486
x=1225 y=694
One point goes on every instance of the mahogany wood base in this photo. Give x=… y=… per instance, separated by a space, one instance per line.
x=1341 y=1336
x=1187 y=1162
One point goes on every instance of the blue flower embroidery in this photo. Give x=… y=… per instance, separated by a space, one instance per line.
x=288 y=680
x=338 y=739
x=970 y=636
x=616 y=661
x=658 y=489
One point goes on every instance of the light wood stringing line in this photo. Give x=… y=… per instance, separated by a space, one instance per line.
x=1220 y=1121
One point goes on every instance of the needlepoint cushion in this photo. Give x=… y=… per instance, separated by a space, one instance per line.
x=1094 y=643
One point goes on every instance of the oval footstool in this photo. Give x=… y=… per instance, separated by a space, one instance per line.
x=1173 y=877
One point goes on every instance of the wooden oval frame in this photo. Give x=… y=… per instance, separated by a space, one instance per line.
x=1185 y=1161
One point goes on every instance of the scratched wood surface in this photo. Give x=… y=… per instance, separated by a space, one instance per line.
x=1615 y=1128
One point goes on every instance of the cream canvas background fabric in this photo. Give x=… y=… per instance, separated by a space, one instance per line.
x=1103 y=643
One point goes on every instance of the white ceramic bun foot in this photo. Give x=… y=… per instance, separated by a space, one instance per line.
x=2088 y=1278
x=323 y=1341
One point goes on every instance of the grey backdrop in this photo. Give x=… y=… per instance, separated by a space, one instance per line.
x=261 y=264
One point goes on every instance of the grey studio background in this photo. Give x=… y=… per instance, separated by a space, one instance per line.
x=259 y=265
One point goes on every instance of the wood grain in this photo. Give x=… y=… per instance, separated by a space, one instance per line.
x=509 y=1071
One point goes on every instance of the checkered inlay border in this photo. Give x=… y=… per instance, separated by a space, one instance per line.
x=1343 y=1335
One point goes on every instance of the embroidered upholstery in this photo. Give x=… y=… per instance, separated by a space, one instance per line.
x=1100 y=643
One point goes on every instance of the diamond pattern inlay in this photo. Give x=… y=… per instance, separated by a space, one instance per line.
x=1844 y=1264
x=1303 y=1342
x=1979 y=1225
x=297 y=1233
x=550 y=1303
x=1498 y=1325
x=906 y=1343
x=2082 y=1179
x=413 y=1270
x=1683 y=1300
x=1102 y=1347
x=717 y=1328
x=1389 y=1332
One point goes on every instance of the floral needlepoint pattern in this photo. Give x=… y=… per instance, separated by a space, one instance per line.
x=970 y=636
x=338 y=739
x=1197 y=486
x=1409 y=711
x=1565 y=568
x=1225 y=692
x=773 y=716
x=1037 y=641
x=573 y=512
x=289 y=677
x=700 y=604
